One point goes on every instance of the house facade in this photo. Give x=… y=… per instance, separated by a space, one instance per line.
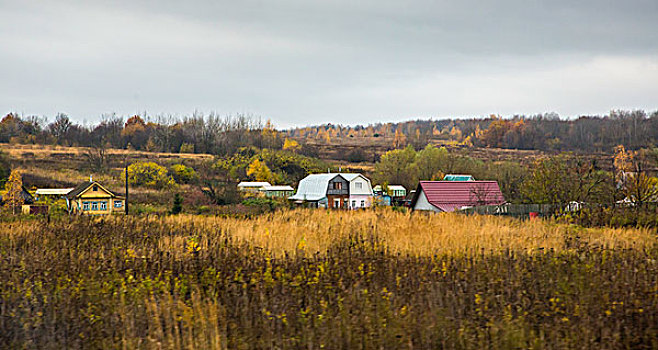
x=334 y=190
x=94 y=199
x=448 y=196
x=278 y=191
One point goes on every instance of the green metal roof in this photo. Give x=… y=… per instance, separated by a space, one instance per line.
x=454 y=177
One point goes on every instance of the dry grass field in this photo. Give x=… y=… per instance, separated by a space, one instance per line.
x=317 y=279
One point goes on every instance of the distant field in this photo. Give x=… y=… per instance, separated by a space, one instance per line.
x=48 y=151
x=316 y=279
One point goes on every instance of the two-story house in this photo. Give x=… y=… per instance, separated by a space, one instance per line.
x=334 y=190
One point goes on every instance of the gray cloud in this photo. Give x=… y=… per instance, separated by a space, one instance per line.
x=299 y=62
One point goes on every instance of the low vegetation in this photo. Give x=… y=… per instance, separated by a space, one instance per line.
x=318 y=279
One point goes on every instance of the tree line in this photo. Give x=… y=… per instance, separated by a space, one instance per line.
x=198 y=133
x=548 y=132
x=563 y=178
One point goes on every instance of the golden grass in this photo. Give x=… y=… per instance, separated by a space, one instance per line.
x=412 y=233
x=417 y=234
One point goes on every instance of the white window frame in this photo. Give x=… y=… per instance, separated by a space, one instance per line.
x=94 y=205
x=103 y=205
x=363 y=203
x=118 y=204
x=85 y=206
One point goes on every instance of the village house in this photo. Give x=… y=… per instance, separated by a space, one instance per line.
x=448 y=196
x=90 y=197
x=334 y=190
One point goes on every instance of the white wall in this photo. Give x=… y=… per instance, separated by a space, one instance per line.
x=423 y=204
x=366 y=188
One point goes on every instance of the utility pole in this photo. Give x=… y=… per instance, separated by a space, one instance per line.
x=126 y=172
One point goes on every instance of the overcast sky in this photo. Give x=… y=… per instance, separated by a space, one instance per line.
x=301 y=62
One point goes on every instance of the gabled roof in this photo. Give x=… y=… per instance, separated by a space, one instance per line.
x=451 y=195
x=27 y=196
x=458 y=177
x=314 y=187
x=396 y=188
x=79 y=189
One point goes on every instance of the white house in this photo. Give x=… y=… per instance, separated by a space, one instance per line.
x=335 y=190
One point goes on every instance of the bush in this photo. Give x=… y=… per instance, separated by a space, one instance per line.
x=149 y=174
x=183 y=174
x=262 y=203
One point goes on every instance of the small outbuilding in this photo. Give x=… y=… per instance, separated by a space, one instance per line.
x=253 y=186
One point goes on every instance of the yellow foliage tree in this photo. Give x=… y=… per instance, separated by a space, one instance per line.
x=400 y=139
x=259 y=171
x=291 y=145
x=14 y=187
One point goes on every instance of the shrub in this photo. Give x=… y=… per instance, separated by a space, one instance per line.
x=149 y=174
x=183 y=174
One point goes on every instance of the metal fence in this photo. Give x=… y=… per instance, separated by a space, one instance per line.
x=545 y=210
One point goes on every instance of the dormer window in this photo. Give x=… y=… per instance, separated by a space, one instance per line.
x=95 y=188
x=338 y=185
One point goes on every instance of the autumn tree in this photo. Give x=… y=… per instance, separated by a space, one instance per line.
x=183 y=173
x=149 y=174
x=400 y=139
x=291 y=145
x=259 y=171
x=641 y=188
x=4 y=168
x=14 y=187
x=430 y=162
x=397 y=167
x=566 y=178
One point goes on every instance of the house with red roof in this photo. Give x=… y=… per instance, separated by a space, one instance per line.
x=448 y=196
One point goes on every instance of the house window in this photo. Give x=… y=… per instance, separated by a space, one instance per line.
x=95 y=188
x=103 y=205
x=85 y=206
x=358 y=185
x=338 y=185
x=336 y=203
x=118 y=204
x=94 y=205
x=363 y=204
x=353 y=204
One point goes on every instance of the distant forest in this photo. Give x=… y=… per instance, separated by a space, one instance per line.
x=225 y=135
x=547 y=132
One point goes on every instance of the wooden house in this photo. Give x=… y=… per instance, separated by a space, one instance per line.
x=92 y=198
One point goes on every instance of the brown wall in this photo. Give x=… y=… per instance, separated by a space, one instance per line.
x=332 y=198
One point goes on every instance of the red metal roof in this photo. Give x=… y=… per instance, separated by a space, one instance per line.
x=452 y=195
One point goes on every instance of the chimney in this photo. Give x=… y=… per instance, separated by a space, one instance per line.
x=90 y=179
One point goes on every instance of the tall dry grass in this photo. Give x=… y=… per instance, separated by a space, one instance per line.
x=408 y=233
